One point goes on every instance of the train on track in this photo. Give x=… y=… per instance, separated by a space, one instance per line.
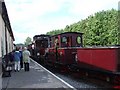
x=66 y=52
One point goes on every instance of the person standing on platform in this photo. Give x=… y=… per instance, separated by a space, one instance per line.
x=17 y=56
x=26 y=59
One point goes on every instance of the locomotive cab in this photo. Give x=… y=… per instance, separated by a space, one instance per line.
x=41 y=42
x=63 y=47
x=67 y=39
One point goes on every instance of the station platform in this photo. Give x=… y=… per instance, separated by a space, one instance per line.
x=37 y=78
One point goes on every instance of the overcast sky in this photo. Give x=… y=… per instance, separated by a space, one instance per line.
x=34 y=17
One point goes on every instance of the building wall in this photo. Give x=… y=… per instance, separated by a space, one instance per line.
x=0 y=35
x=3 y=43
x=6 y=34
x=0 y=47
x=9 y=42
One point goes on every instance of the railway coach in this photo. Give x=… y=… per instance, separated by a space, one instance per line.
x=99 y=62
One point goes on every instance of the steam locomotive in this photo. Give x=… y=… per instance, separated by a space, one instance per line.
x=66 y=52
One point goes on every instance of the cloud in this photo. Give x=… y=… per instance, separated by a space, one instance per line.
x=20 y=37
x=31 y=17
x=34 y=9
x=85 y=8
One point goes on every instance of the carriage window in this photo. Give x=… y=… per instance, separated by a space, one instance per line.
x=78 y=39
x=64 y=39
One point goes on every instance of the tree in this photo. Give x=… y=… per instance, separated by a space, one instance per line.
x=100 y=29
x=28 y=41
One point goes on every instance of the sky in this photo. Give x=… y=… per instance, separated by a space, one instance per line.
x=35 y=17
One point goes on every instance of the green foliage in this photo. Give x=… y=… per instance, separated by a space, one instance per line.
x=100 y=29
x=54 y=32
x=28 y=41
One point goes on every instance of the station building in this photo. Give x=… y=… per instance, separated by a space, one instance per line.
x=6 y=33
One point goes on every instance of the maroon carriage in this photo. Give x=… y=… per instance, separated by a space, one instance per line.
x=102 y=62
x=63 y=47
x=99 y=58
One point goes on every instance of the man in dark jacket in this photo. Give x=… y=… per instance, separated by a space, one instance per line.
x=17 y=59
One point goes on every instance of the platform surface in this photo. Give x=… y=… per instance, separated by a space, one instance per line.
x=38 y=77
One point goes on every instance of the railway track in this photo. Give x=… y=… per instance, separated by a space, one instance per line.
x=81 y=82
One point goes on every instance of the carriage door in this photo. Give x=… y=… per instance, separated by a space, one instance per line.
x=69 y=41
x=56 y=44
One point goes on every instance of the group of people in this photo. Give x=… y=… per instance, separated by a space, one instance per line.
x=21 y=58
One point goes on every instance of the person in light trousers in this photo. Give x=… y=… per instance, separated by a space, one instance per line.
x=26 y=59
x=17 y=59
